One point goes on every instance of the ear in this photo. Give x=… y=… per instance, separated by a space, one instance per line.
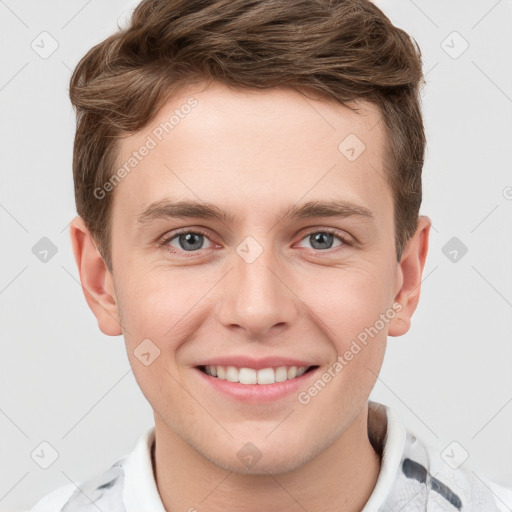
x=97 y=281
x=409 y=272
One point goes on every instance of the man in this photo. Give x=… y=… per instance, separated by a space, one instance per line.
x=248 y=184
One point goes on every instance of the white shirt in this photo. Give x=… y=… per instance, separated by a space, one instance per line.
x=413 y=477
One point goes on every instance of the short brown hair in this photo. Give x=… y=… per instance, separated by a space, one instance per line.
x=341 y=49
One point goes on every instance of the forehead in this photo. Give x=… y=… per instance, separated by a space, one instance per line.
x=237 y=148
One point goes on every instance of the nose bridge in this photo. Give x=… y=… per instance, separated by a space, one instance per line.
x=258 y=296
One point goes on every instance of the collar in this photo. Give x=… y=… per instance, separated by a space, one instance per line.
x=388 y=436
x=140 y=491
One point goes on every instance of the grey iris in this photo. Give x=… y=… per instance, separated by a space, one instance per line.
x=195 y=239
x=321 y=239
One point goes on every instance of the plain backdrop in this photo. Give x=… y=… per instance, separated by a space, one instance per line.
x=65 y=383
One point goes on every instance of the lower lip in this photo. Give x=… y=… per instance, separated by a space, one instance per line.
x=257 y=393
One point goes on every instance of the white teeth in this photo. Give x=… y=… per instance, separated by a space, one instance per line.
x=281 y=374
x=300 y=371
x=292 y=372
x=251 y=376
x=221 y=372
x=247 y=376
x=266 y=376
x=231 y=374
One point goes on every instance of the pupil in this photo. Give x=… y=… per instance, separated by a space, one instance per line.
x=320 y=238
x=189 y=238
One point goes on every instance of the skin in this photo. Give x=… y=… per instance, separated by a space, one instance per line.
x=254 y=153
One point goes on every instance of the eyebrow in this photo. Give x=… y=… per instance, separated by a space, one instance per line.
x=164 y=209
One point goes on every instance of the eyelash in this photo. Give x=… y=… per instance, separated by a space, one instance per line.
x=175 y=234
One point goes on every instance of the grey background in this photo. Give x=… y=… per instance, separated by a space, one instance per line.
x=64 y=382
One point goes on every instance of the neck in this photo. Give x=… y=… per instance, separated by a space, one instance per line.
x=341 y=477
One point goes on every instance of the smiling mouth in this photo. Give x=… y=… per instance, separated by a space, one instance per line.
x=264 y=376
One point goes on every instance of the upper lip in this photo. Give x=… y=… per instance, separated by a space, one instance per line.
x=256 y=363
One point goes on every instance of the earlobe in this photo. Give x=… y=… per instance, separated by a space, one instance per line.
x=410 y=272
x=97 y=282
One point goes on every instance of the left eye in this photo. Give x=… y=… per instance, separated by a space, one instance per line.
x=323 y=240
x=187 y=240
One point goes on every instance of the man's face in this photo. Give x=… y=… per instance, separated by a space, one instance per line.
x=257 y=283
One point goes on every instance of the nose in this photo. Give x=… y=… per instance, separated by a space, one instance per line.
x=258 y=296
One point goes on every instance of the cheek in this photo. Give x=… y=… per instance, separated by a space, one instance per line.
x=349 y=305
x=348 y=301
x=154 y=316
x=158 y=304
x=355 y=311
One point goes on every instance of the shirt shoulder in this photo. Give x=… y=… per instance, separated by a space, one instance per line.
x=503 y=494
x=55 y=500
x=104 y=491
x=419 y=476
x=447 y=483
x=127 y=486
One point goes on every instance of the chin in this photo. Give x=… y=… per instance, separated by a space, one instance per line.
x=264 y=457
x=267 y=464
